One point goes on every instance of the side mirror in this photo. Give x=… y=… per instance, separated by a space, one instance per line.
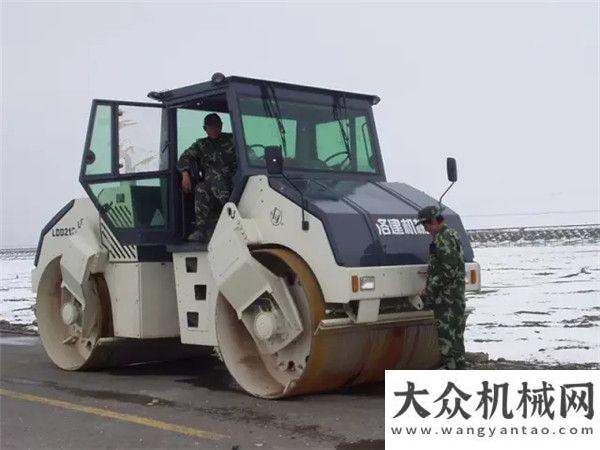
x=451 y=169
x=274 y=160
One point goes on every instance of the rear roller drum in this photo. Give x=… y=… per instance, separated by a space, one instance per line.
x=69 y=329
x=80 y=337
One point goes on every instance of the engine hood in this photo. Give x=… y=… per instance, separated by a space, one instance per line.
x=370 y=223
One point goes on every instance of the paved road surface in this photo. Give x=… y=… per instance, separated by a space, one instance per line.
x=185 y=404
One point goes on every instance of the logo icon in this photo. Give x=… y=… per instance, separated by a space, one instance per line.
x=276 y=217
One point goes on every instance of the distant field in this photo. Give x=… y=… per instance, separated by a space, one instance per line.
x=535 y=235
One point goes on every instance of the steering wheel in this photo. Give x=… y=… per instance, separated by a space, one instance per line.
x=252 y=153
x=330 y=157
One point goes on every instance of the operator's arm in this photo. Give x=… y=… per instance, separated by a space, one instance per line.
x=187 y=161
x=189 y=158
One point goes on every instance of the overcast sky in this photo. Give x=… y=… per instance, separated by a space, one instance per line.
x=511 y=91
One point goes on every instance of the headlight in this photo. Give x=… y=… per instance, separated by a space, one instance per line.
x=367 y=283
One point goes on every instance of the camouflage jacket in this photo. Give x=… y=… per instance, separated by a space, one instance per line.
x=446 y=273
x=216 y=159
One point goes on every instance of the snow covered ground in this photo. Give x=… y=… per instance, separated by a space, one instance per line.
x=16 y=298
x=538 y=302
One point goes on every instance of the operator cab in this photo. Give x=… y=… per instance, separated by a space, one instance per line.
x=129 y=164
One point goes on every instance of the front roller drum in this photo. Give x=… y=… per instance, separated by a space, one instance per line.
x=320 y=360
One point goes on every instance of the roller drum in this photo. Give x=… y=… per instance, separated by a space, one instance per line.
x=332 y=358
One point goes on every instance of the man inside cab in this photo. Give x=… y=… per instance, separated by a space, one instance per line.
x=210 y=162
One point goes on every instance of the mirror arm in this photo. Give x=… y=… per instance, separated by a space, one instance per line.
x=440 y=201
x=304 y=221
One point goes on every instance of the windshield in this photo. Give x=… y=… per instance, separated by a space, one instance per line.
x=322 y=137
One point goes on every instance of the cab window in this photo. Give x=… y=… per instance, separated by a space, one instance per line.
x=125 y=166
x=139 y=132
x=262 y=132
x=98 y=156
x=325 y=137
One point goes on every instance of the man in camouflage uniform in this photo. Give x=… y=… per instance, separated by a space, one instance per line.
x=445 y=287
x=212 y=161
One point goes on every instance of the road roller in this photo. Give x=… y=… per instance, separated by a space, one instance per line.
x=309 y=281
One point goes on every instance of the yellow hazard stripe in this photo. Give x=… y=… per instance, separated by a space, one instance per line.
x=102 y=412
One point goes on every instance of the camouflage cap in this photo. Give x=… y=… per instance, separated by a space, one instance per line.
x=212 y=119
x=427 y=213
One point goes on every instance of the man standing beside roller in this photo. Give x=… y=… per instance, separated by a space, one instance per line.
x=445 y=287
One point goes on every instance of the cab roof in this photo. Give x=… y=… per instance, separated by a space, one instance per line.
x=219 y=82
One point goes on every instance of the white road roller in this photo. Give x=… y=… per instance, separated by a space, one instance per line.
x=310 y=279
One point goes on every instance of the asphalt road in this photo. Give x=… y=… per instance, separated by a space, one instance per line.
x=184 y=404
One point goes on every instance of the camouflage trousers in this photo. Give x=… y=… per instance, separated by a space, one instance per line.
x=210 y=196
x=451 y=320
